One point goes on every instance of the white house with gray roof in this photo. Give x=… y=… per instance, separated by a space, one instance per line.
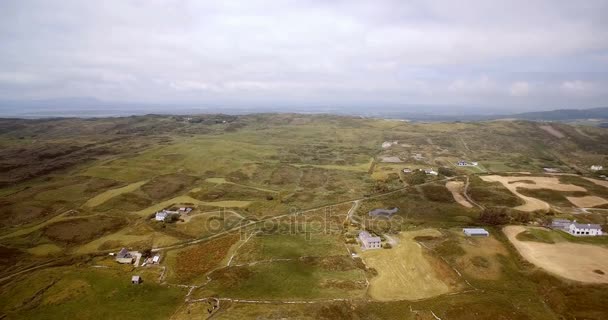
x=584 y=229
x=577 y=229
x=369 y=242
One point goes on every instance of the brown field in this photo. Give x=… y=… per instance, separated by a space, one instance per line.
x=405 y=273
x=598 y=182
x=456 y=188
x=569 y=260
x=194 y=262
x=480 y=258
x=587 y=201
x=81 y=230
x=532 y=204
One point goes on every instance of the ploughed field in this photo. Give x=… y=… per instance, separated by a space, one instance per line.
x=277 y=202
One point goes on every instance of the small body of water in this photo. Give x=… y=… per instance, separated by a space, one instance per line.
x=383 y=212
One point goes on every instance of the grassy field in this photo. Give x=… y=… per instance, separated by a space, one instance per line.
x=286 y=246
x=87 y=293
x=112 y=174
x=315 y=278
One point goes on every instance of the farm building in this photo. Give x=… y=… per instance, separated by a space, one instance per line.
x=135 y=279
x=369 y=242
x=584 y=229
x=161 y=215
x=475 y=232
x=156 y=259
x=407 y=170
x=431 y=172
x=597 y=167
x=562 y=224
x=185 y=210
x=551 y=170
x=124 y=256
x=577 y=229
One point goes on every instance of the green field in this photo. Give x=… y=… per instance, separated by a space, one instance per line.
x=73 y=190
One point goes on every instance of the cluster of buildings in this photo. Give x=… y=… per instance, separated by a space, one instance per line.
x=577 y=229
x=426 y=171
x=463 y=163
x=163 y=214
x=596 y=168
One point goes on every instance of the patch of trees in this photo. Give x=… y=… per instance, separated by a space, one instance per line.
x=500 y=216
x=416 y=177
x=446 y=172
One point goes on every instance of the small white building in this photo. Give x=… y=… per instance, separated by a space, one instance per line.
x=431 y=172
x=369 y=242
x=161 y=215
x=135 y=279
x=156 y=259
x=476 y=232
x=597 y=168
x=584 y=229
x=407 y=170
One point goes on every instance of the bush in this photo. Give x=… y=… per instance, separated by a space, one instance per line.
x=446 y=172
x=495 y=216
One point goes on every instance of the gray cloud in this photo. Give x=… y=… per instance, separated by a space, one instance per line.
x=532 y=54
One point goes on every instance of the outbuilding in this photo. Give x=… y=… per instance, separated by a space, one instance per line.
x=476 y=232
x=135 y=279
x=369 y=242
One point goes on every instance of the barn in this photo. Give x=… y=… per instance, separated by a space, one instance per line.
x=476 y=232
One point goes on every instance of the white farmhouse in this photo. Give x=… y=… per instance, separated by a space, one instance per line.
x=368 y=241
x=161 y=215
x=584 y=229
x=597 y=168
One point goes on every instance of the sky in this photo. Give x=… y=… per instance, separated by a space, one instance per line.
x=514 y=55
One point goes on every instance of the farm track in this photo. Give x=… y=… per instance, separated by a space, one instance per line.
x=195 y=241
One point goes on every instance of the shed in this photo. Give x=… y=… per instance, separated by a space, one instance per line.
x=475 y=232
x=156 y=259
x=135 y=279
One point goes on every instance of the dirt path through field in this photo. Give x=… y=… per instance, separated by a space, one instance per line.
x=532 y=204
x=456 y=188
x=566 y=259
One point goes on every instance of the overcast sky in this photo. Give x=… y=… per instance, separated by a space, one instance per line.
x=494 y=54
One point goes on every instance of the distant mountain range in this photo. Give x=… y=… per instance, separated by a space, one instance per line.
x=563 y=114
x=91 y=107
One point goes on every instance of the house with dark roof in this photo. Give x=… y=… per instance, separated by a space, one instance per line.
x=124 y=256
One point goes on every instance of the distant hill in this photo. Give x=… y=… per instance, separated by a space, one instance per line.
x=563 y=114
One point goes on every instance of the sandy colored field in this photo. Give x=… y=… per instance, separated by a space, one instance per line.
x=107 y=195
x=403 y=271
x=456 y=188
x=566 y=259
x=599 y=182
x=552 y=131
x=587 y=201
x=532 y=204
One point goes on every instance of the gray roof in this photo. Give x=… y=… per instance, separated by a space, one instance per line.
x=135 y=278
x=587 y=226
x=123 y=253
x=475 y=231
x=364 y=235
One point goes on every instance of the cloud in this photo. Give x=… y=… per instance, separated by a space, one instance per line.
x=317 y=52
x=519 y=89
